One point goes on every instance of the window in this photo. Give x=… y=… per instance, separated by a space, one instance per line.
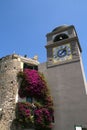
x=34 y=67
x=80 y=128
x=29 y=99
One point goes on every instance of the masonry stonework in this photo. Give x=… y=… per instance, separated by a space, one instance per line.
x=9 y=68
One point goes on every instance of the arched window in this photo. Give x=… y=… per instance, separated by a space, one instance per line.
x=60 y=37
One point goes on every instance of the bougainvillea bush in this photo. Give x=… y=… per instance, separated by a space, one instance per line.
x=42 y=118
x=33 y=84
x=40 y=112
x=24 y=113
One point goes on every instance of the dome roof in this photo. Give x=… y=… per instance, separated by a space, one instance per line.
x=60 y=28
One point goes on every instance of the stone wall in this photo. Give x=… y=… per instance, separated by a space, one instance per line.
x=9 y=67
x=9 y=84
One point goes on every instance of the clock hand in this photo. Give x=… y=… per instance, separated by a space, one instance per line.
x=62 y=51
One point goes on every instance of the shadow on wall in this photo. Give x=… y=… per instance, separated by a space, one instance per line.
x=15 y=125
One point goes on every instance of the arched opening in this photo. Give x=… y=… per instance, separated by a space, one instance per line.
x=60 y=37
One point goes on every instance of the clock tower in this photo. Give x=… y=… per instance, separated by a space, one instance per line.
x=62 y=46
x=65 y=75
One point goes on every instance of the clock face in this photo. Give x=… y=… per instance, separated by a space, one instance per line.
x=62 y=53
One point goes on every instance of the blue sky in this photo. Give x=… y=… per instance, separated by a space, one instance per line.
x=25 y=23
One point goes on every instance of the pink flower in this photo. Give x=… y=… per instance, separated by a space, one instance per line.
x=23 y=110
x=34 y=85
